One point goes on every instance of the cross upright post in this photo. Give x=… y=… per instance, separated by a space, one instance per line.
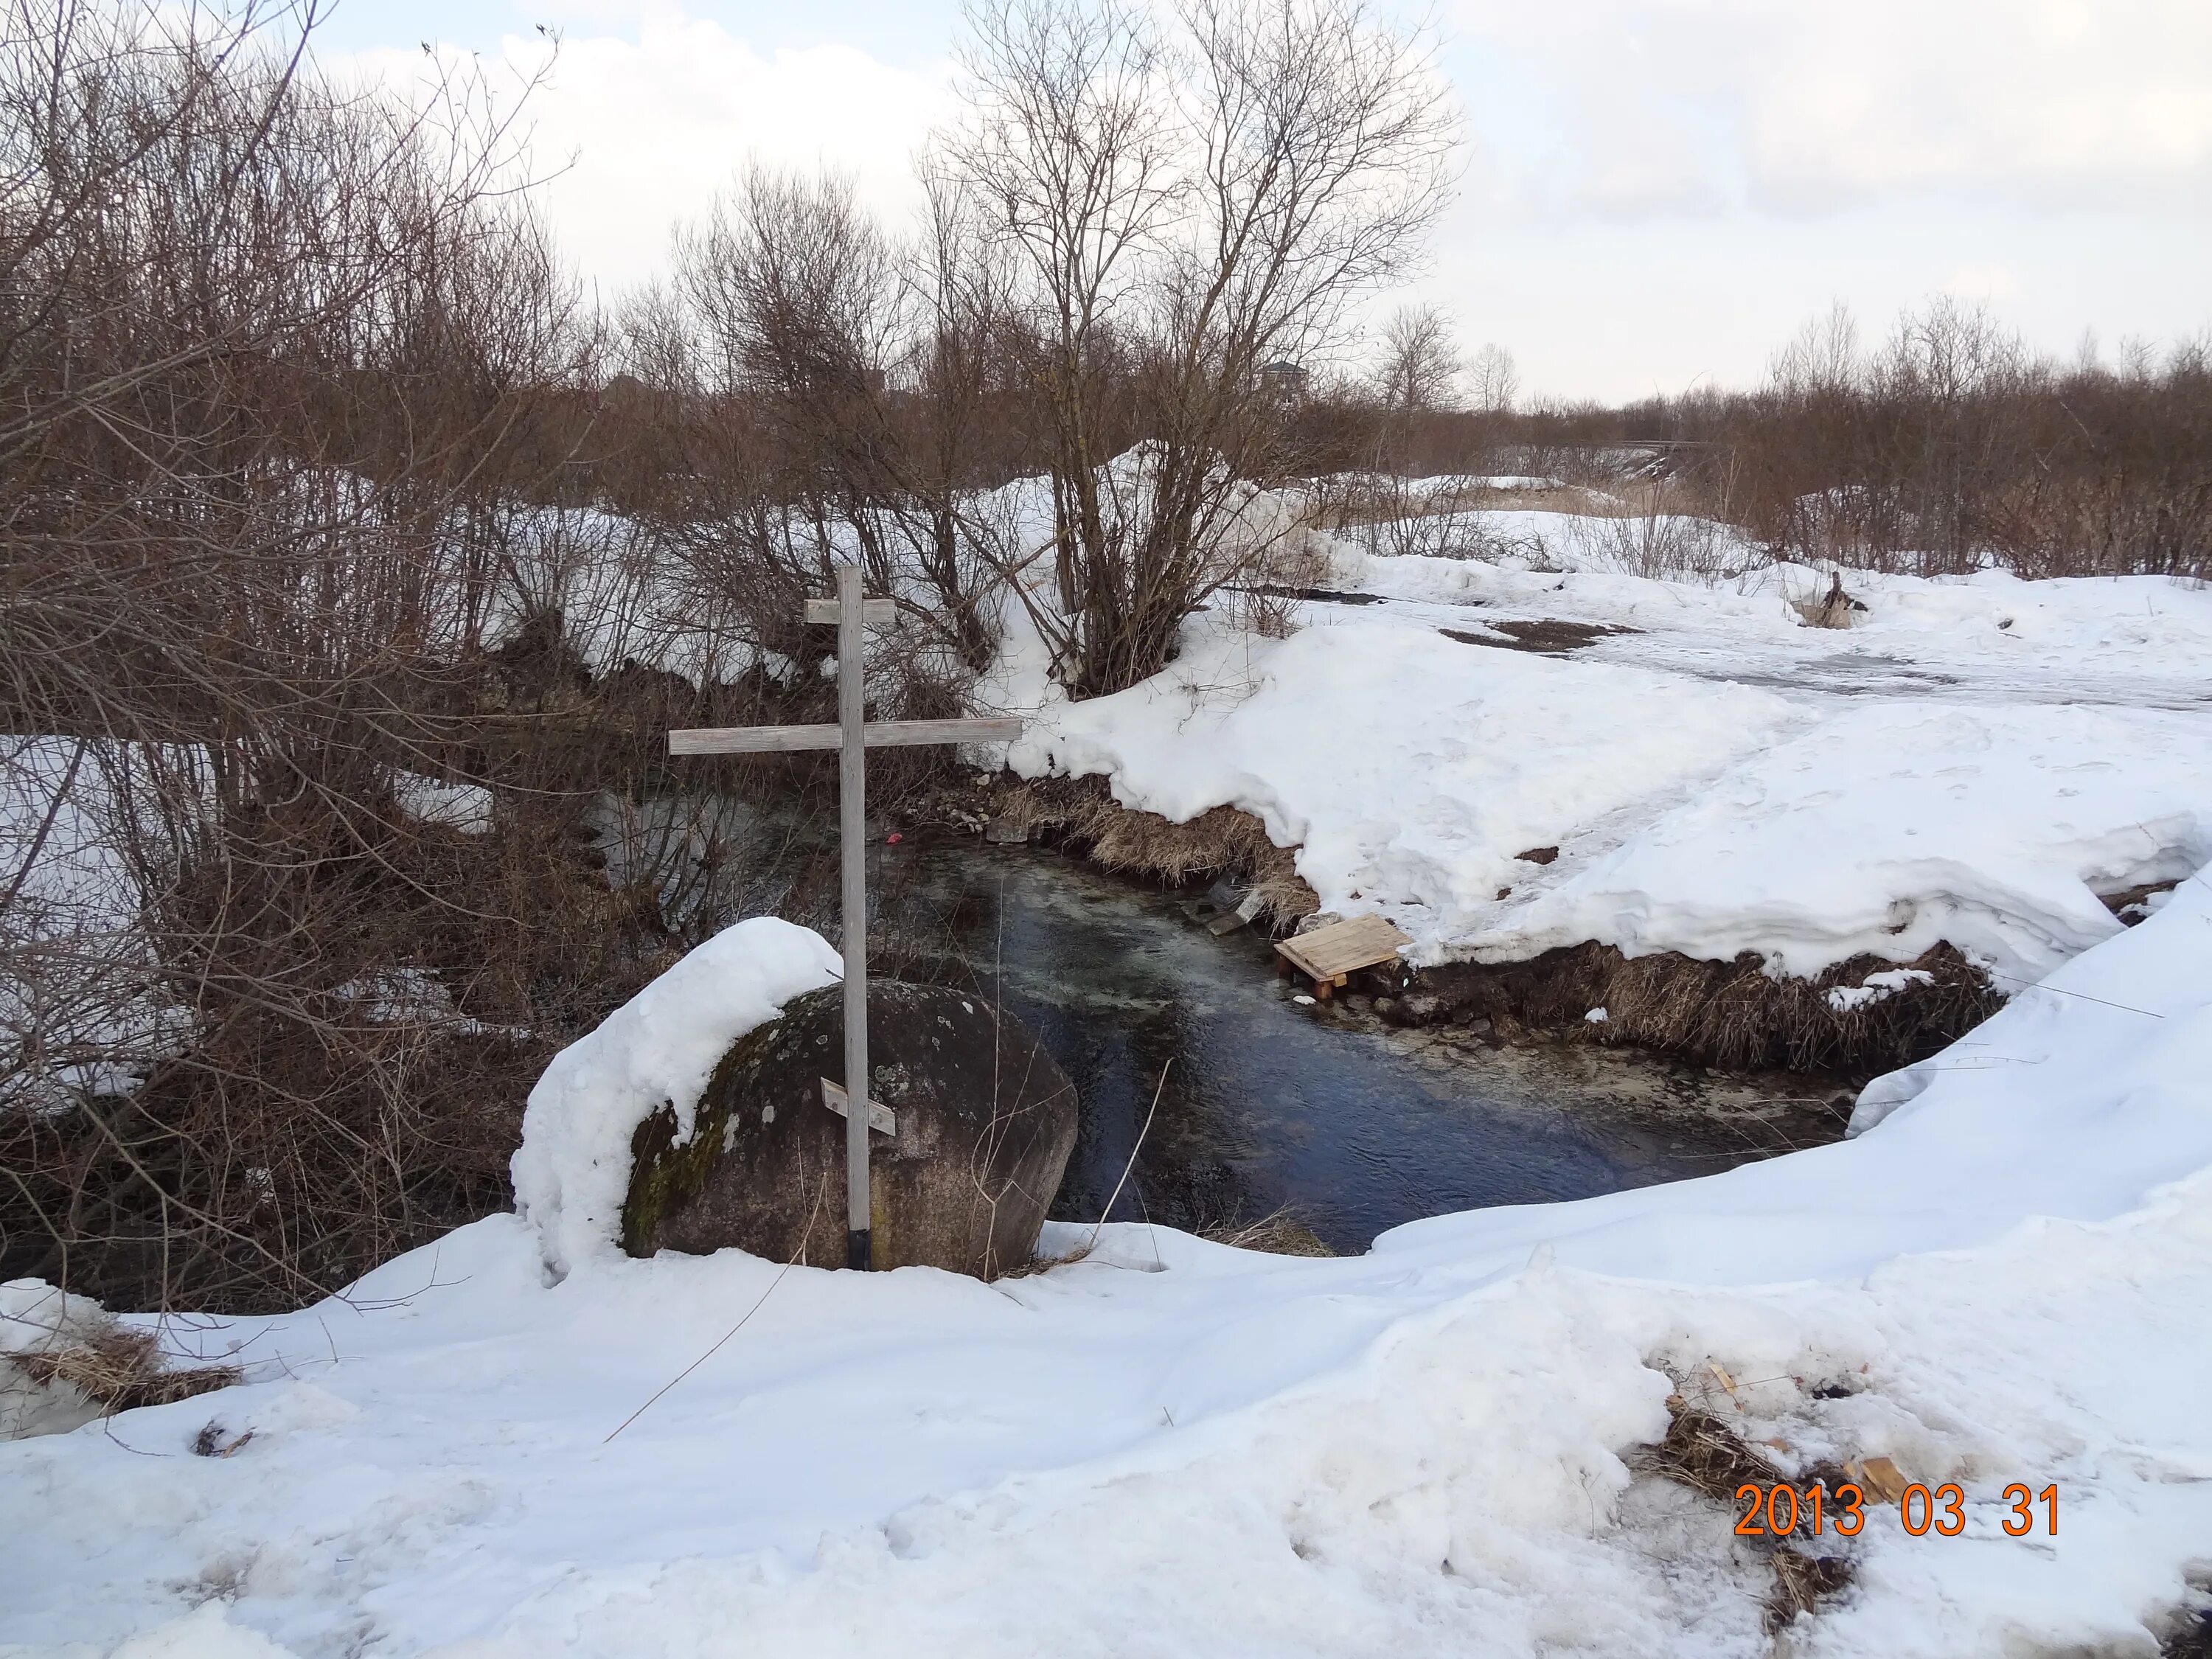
x=852 y=737
x=852 y=834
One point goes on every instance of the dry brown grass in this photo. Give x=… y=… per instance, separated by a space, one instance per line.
x=1730 y=1014
x=1702 y=1452
x=121 y=1371
x=1080 y=813
x=1615 y=502
x=1279 y=1233
x=1800 y=1581
x=1043 y=1264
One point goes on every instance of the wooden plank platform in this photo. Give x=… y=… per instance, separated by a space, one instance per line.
x=1327 y=954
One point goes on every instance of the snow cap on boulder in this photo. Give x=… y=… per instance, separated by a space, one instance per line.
x=571 y=1171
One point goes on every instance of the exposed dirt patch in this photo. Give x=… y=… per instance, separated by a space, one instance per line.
x=2132 y=904
x=1320 y=595
x=2187 y=1631
x=1547 y=634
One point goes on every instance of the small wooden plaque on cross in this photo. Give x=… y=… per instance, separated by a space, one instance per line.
x=852 y=736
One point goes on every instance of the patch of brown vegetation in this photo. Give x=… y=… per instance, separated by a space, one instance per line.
x=1043 y=1264
x=1279 y=1233
x=1800 y=1581
x=121 y=1371
x=2135 y=899
x=1081 y=814
x=1702 y=1452
x=1731 y=1014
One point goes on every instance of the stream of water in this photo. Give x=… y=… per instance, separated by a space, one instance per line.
x=1321 y=1112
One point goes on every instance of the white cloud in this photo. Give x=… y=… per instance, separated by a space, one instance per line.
x=1983 y=283
x=1671 y=105
x=661 y=115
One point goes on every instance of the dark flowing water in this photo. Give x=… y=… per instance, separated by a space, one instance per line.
x=1320 y=1111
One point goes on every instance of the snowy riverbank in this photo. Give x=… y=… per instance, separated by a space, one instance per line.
x=1978 y=761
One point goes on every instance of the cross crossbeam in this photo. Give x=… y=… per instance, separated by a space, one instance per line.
x=875 y=734
x=852 y=736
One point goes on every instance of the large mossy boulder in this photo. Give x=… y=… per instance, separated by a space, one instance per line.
x=986 y=1123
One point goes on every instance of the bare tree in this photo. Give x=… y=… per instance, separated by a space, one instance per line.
x=1494 y=382
x=866 y=376
x=1420 y=365
x=1190 y=203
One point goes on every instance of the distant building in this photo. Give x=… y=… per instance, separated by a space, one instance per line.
x=1287 y=380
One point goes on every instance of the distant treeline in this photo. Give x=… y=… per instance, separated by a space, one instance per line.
x=1947 y=446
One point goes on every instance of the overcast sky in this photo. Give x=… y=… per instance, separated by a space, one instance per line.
x=1656 y=192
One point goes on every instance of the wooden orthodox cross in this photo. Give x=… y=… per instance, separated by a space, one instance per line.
x=852 y=736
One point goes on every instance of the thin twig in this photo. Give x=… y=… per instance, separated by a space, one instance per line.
x=703 y=1358
x=734 y=1329
x=2038 y=985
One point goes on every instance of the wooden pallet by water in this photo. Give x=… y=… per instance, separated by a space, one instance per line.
x=1327 y=954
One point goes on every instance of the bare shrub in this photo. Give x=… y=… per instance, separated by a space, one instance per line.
x=1951 y=447
x=281 y=366
x=1943 y=449
x=1659 y=535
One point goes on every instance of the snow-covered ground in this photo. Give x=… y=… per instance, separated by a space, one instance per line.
x=1975 y=761
x=1172 y=1447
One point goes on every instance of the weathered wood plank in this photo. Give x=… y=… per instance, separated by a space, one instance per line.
x=880 y=734
x=750 y=739
x=881 y=1118
x=875 y=613
x=905 y=734
x=1327 y=954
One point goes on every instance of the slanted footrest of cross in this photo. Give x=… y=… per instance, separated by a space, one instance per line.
x=881 y=1118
